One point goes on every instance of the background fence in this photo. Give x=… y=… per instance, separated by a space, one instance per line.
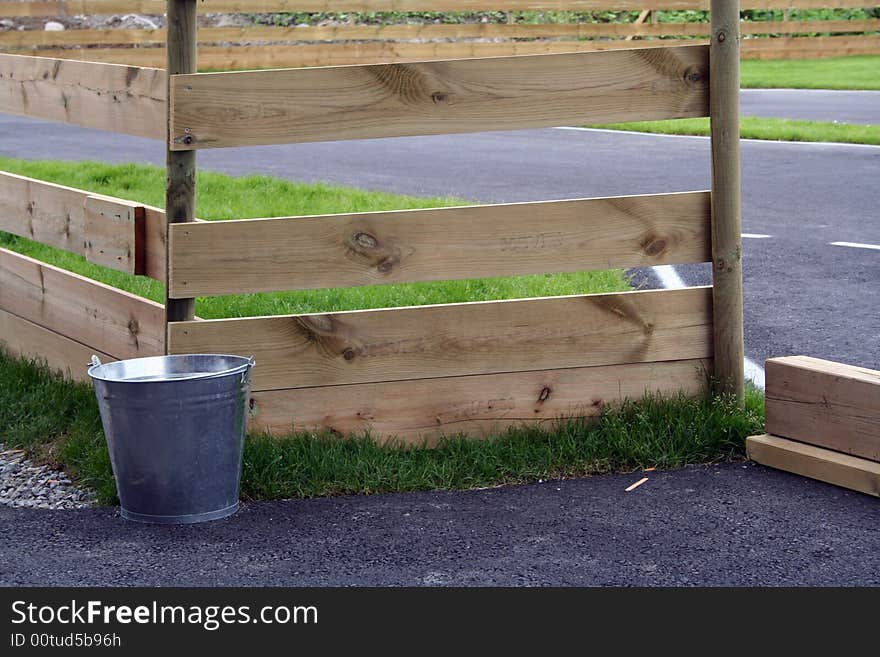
x=405 y=372
x=320 y=45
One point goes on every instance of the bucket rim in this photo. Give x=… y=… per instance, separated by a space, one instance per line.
x=95 y=365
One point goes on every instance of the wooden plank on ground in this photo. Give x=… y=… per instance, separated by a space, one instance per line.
x=487 y=337
x=254 y=255
x=25 y=339
x=87 y=224
x=116 y=322
x=413 y=411
x=824 y=403
x=388 y=100
x=815 y=462
x=125 y=99
x=157 y=7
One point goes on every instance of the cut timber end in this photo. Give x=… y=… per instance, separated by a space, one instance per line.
x=816 y=463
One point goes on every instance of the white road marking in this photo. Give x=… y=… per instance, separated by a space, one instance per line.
x=857 y=245
x=833 y=144
x=756 y=236
x=672 y=281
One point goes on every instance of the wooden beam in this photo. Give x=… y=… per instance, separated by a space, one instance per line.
x=460 y=339
x=389 y=100
x=424 y=410
x=726 y=199
x=24 y=339
x=108 y=231
x=824 y=403
x=157 y=7
x=639 y=20
x=254 y=255
x=815 y=462
x=113 y=321
x=180 y=177
x=125 y=99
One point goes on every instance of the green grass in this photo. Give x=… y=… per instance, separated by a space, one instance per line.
x=223 y=197
x=57 y=421
x=854 y=72
x=773 y=129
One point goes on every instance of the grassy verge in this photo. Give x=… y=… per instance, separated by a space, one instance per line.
x=58 y=421
x=224 y=197
x=771 y=129
x=854 y=72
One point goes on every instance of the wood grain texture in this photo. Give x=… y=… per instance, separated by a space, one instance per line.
x=726 y=200
x=388 y=100
x=25 y=339
x=84 y=223
x=253 y=255
x=460 y=339
x=237 y=57
x=36 y=39
x=125 y=99
x=60 y=216
x=180 y=166
x=824 y=403
x=157 y=7
x=113 y=321
x=815 y=462
x=417 y=411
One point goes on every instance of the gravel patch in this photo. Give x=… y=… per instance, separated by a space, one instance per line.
x=24 y=484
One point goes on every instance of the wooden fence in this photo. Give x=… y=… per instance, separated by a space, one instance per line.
x=405 y=372
x=273 y=47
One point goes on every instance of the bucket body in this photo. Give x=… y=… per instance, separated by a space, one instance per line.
x=175 y=430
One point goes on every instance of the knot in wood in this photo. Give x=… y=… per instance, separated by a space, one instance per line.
x=721 y=37
x=364 y=240
x=348 y=354
x=439 y=97
x=385 y=265
x=655 y=247
x=693 y=75
x=133 y=326
x=545 y=394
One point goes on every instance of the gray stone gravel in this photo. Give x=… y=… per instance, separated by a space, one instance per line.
x=24 y=484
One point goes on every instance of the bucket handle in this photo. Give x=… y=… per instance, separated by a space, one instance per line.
x=94 y=361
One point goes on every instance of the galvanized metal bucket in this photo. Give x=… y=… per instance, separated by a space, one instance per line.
x=175 y=430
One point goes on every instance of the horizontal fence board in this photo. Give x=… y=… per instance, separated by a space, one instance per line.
x=25 y=339
x=157 y=7
x=332 y=54
x=256 y=255
x=367 y=346
x=441 y=97
x=408 y=31
x=413 y=411
x=815 y=462
x=124 y=99
x=116 y=322
x=823 y=403
x=84 y=223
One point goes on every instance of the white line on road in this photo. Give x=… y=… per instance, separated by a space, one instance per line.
x=857 y=245
x=672 y=281
x=756 y=236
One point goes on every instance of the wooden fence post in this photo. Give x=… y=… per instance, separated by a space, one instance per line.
x=726 y=198
x=180 y=180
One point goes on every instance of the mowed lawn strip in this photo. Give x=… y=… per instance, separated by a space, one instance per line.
x=853 y=72
x=770 y=129
x=224 y=197
x=57 y=422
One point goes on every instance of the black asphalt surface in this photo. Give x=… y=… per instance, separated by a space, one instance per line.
x=726 y=525
x=732 y=524
x=812 y=105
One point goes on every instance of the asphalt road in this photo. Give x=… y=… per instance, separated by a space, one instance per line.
x=812 y=105
x=727 y=525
